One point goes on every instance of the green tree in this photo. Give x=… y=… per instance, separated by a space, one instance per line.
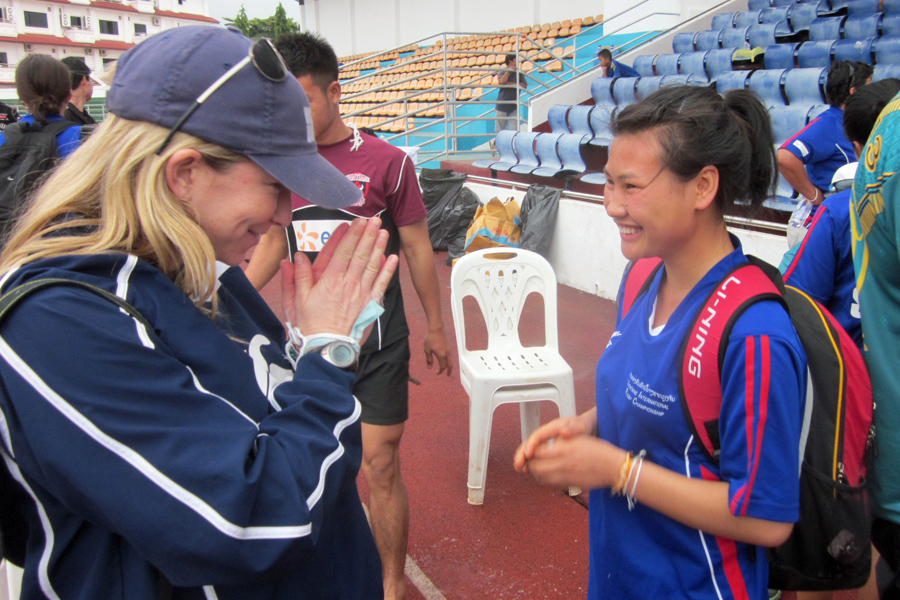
x=270 y=27
x=240 y=21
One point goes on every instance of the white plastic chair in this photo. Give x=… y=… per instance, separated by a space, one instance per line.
x=500 y=280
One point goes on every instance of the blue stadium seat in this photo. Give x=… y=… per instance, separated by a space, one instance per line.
x=569 y=149
x=826 y=28
x=801 y=15
x=550 y=164
x=693 y=62
x=684 y=41
x=579 y=119
x=887 y=49
x=758 y=4
x=860 y=50
x=861 y=7
x=504 y=145
x=556 y=117
x=601 y=91
x=783 y=2
x=815 y=110
x=891 y=7
x=667 y=64
x=601 y=117
x=719 y=62
x=723 y=20
x=767 y=84
x=623 y=90
x=683 y=79
x=838 y=5
x=643 y=64
x=733 y=80
x=708 y=39
x=890 y=25
x=781 y=56
x=647 y=85
x=860 y=27
x=787 y=121
x=747 y=17
x=524 y=147
x=884 y=71
x=595 y=178
x=773 y=15
x=815 y=54
x=766 y=34
x=735 y=37
x=805 y=86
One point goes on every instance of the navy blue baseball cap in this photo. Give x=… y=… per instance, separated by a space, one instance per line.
x=268 y=121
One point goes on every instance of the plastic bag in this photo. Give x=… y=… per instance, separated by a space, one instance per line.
x=538 y=215
x=495 y=224
x=457 y=217
x=440 y=187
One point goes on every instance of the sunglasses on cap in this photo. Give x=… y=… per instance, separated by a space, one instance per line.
x=264 y=57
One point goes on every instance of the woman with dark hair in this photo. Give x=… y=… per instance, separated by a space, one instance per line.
x=44 y=85
x=665 y=520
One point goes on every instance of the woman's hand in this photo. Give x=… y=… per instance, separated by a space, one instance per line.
x=350 y=271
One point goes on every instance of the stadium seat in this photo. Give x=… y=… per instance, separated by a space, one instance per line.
x=556 y=117
x=887 y=49
x=719 y=62
x=504 y=144
x=708 y=39
x=523 y=144
x=647 y=85
x=891 y=7
x=579 y=119
x=768 y=85
x=734 y=37
x=550 y=164
x=601 y=91
x=693 y=62
x=684 y=41
x=805 y=86
x=758 y=4
x=859 y=50
x=667 y=64
x=787 y=121
x=601 y=117
x=746 y=18
x=862 y=7
x=766 y=34
x=643 y=64
x=884 y=71
x=623 y=90
x=733 y=80
x=860 y=27
x=801 y=15
x=838 y=5
x=774 y=14
x=723 y=20
x=826 y=28
x=781 y=56
x=684 y=79
x=569 y=150
x=890 y=25
x=783 y=2
x=815 y=54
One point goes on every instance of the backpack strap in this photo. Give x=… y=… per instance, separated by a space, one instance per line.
x=637 y=281
x=13 y=296
x=703 y=349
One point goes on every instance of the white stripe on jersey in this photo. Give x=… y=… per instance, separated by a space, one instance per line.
x=709 y=562
x=338 y=452
x=122 y=292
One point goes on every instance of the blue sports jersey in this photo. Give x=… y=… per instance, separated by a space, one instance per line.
x=67 y=142
x=191 y=452
x=823 y=264
x=618 y=69
x=645 y=554
x=822 y=146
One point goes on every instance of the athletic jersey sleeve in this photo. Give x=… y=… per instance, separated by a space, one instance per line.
x=162 y=445
x=816 y=260
x=404 y=199
x=763 y=390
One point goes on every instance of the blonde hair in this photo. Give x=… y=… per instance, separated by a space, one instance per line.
x=114 y=189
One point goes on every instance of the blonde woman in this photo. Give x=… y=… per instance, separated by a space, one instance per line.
x=199 y=456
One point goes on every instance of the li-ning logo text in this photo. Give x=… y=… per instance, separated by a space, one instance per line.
x=696 y=350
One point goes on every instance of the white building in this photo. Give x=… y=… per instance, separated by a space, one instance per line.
x=98 y=31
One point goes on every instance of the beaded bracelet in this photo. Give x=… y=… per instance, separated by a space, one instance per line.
x=624 y=474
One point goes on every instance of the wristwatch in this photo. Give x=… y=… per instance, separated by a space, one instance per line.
x=340 y=353
x=340 y=350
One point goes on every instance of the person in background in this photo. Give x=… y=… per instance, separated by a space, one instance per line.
x=82 y=91
x=387 y=178
x=508 y=95
x=8 y=115
x=679 y=161
x=192 y=454
x=613 y=68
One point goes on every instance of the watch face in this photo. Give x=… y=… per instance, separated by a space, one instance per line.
x=341 y=354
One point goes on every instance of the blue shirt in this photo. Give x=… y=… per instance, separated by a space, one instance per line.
x=644 y=554
x=823 y=264
x=617 y=69
x=822 y=146
x=66 y=143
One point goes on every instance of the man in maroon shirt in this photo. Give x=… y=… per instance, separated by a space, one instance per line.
x=387 y=178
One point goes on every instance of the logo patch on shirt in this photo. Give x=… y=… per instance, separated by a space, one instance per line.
x=362 y=181
x=311 y=236
x=801 y=147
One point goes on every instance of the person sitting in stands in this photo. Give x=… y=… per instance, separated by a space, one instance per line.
x=613 y=68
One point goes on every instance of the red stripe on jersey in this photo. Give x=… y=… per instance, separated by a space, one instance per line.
x=732 y=568
x=796 y=135
x=819 y=212
x=763 y=408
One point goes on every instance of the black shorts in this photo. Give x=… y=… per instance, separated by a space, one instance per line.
x=886 y=539
x=382 y=384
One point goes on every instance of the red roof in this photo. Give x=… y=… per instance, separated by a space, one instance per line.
x=34 y=38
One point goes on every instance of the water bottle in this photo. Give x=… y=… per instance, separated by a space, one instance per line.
x=797 y=227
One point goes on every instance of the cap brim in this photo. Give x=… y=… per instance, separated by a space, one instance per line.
x=312 y=178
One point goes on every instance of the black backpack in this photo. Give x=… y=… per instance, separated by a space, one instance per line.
x=28 y=154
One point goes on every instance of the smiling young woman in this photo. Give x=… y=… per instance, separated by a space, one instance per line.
x=665 y=521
